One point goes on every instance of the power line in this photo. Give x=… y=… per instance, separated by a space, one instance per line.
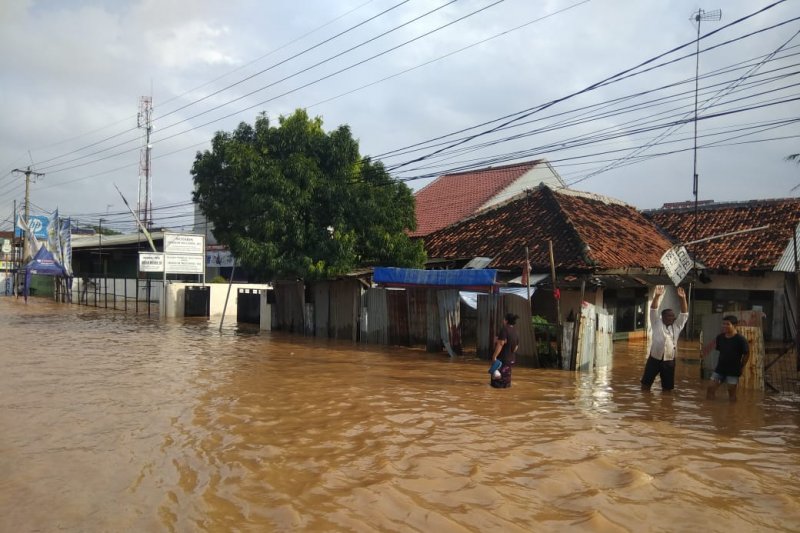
x=130 y=118
x=611 y=79
x=336 y=73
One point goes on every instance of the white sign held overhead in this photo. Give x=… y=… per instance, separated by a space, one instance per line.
x=151 y=262
x=185 y=264
x=184 y=243
x=677 y=263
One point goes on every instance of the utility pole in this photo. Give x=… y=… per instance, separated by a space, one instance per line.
x=14 y=260
x=28 y=173
x=697 y=17
x=144 y=120
x=100 y=235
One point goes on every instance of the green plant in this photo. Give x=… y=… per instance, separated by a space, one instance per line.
x=218 y=279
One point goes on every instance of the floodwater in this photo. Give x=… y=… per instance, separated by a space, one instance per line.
x=115 y=422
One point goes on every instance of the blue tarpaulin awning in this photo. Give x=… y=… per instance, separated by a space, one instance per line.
x=480 y=278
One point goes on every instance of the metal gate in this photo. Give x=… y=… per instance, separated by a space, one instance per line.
x=197 y=301
x=248 y=306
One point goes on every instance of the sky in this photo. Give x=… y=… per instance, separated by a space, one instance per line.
x=604 y=89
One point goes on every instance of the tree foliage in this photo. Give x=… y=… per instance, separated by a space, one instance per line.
x=292 y=200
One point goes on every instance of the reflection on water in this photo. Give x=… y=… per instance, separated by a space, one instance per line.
x=113 y=422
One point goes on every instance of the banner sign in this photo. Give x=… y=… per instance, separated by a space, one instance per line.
x=219 y=257
x=151 y=262
x=39 y=225
x=677 y=263
x=184 y=243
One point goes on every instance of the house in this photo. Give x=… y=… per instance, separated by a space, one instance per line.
x=739 y=273
x=604 y=251
x=453 y=197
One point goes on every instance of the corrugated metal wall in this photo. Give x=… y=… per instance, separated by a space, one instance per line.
x=344 y=310
x=522 y=308
x=417 y=320
x=492 y=308
x=397 y=309
x=604 y=343
x=450 y=320
x=374 y=300
x=595 y=333
x=289 y=306
x=489 y=320
x=434 y=337
x=584 y=360
x=321 y=292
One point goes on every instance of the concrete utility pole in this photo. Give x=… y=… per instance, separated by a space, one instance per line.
x=28 y=173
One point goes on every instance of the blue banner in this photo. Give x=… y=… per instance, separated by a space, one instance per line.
x=39 y=225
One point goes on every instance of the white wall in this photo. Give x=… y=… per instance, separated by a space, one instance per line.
x=540 y=173
x=219 y=291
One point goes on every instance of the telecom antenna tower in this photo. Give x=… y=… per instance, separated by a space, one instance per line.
x=145 y=191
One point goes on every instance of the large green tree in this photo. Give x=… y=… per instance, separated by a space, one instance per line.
x=294 y=200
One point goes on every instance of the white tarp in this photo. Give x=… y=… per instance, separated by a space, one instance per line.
x=471 y=298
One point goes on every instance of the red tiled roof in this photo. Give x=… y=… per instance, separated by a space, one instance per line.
x=589 y=233
x=759 y=250
x=452 y=197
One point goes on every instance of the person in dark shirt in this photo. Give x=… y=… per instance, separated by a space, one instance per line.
x=733 y=354
x=505 y=349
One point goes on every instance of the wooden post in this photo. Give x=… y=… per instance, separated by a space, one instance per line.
x=797 y=302
x=557 y=297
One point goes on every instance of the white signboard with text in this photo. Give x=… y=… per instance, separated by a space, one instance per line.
x=677 y=263
x=151 y=262
x=184 y=243
x=185 y=264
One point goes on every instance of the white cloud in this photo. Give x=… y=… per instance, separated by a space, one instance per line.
x=190 y=44
x=72 y=74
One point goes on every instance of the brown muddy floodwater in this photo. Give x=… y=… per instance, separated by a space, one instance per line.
x=115 y=422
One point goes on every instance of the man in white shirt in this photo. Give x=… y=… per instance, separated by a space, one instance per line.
x=666 y=330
